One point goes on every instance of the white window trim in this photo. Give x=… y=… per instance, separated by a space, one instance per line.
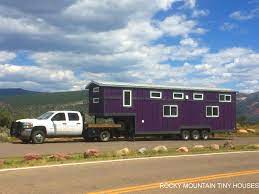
x=194 y=98
x=151 y=92
x=96 y=100
x=212 y=111
x=225 y=98
x=96 y=89
x=170 y=111
x=177 y=97
x=126 y=105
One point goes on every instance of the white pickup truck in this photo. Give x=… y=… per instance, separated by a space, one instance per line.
x=60 y=124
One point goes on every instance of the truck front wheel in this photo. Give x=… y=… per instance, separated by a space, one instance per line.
x=105 y=136
x=38 y=136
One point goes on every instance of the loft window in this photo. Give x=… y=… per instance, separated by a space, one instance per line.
x=127 y=98
x=95 y=100
x=178 y=95
x=96 y=89
x=224 y=97
x=155 y=94
x=212 y=111
x=170 y=111
x=197 y=96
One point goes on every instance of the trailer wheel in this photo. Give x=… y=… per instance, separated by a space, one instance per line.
x=38 y=136
x=205 y=134
x=196 y=134
x=185 y=134
x=105 y=136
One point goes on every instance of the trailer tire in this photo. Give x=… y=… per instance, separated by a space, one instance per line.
x=38 y=136
x=185 y=134
x=205 y=134
x=105 y=136
x=196 y=134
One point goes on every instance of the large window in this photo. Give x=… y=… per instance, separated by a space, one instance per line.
x=178 y=95
x=212 y=111
x=127 y=98
x=96 y=89
x=170 y=111
x=95 y=100
x=197 y=96
x=59 y=117
x=73 y=117
x=224 y=97
x=155 y=94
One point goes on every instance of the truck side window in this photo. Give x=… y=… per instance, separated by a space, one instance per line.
x=73 y=117
x=59 y=117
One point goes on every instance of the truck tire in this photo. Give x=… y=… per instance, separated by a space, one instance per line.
x=195 y=134
x=38 y=136
x=185 y=134
x=205 y=134
x=105 y=136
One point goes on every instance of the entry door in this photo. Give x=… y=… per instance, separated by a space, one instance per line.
x=74 y=125
x=59 y=122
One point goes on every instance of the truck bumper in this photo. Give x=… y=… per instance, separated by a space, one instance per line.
x=18 y=131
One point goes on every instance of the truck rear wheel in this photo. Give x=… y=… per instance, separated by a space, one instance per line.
x=38 y=136
x=105 y=135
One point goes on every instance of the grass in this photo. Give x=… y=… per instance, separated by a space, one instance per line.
x=79 y=157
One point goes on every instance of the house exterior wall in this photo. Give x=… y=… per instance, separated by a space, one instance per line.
x=191 y=113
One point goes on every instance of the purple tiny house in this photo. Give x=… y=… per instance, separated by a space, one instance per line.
x=156 y=110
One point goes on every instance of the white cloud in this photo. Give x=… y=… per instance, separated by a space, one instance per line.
x=228 y=26
x=241 y=15
x=6 y=56
x=179 y=25
x=199 y=13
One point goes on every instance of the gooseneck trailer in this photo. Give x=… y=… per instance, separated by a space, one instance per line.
x=138 y=110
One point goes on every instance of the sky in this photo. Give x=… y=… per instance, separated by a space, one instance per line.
x=63 y=44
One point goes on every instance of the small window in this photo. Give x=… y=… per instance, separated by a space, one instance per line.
x=95 y=100
x=197 y=96
x=178 y=95
x=73 y=117
x=212 y=111
x=170 y=111
x=59 y=117
x=127 y=98
x=96 y=89
x=224 y=97
x=155 y=94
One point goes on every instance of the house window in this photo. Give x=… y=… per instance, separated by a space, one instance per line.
x=155 y=94
x=127 y=98
x=170 y=111
x=197 y=96
x=96 y=89
x=95 y=100
x=212 y=111
x=178 y=95
x=224 y=97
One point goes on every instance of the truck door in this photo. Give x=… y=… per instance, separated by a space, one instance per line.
x=59 y=123
x=75 y=124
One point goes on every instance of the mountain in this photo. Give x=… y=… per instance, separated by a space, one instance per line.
x=34 y=104
x=248 y=106
x=14 y=91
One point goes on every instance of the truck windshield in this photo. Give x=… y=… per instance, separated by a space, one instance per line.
x=45 y=116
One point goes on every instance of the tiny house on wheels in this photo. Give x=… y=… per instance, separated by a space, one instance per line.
x=164 y=110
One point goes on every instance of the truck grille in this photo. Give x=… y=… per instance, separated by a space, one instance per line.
x=16 y=129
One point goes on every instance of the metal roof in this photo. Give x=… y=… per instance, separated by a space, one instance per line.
x=153 y=86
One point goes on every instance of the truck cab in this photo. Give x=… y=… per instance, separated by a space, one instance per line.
x=49 y=124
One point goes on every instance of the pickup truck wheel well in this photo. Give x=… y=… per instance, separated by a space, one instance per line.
x=42 y=128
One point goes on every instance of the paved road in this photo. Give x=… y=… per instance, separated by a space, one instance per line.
x=51 y=146
x=142 y=174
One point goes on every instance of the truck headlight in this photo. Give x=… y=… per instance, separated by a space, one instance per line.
x=27 y=125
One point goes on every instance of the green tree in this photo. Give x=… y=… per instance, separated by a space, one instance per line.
x=5 y=118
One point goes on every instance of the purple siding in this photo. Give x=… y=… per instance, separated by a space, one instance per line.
x=191 y=113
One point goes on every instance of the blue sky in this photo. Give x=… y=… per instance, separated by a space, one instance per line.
x=61 y=45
